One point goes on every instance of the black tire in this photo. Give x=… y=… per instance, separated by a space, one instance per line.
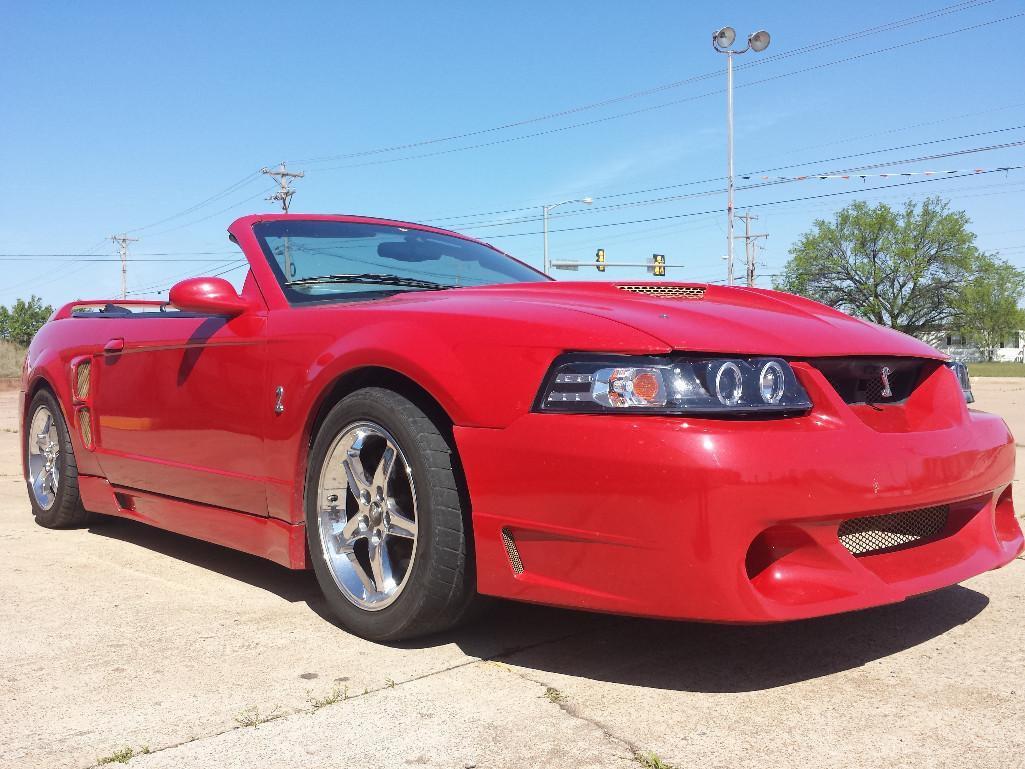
x=440 y=590
x=66 y=511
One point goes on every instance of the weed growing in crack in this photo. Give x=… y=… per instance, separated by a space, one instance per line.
x=337 y=694
x=650 y=760
x=122 y=756
x=554 y=695
x=253 y=717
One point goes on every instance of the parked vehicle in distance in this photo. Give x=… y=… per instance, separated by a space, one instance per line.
x=423 y=420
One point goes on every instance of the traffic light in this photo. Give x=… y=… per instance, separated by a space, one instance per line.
x=658 y=265
x=599 y=258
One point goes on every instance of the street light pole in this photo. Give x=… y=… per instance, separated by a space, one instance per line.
x=545 y=211
x=722 y=42
x=729 y=168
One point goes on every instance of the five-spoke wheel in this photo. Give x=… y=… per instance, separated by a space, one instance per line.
x=50 y=460
x=386 y=521
x=367 y=512
x=43 y=455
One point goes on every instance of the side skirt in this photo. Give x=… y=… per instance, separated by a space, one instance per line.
x=269 y=538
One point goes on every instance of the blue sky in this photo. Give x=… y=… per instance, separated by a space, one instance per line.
x=120 y=115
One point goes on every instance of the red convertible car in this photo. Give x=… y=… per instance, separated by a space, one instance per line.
x=423 y=420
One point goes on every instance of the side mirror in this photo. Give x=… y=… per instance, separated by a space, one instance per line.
x=214 y=296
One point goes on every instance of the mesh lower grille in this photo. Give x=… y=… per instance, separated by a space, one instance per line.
x=666 y=292
x=512 y=552
x=886 y=532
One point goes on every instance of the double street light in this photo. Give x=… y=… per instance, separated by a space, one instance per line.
x=722 y=41
x=546 y=210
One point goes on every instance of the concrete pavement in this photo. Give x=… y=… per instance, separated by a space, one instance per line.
x=123 y=636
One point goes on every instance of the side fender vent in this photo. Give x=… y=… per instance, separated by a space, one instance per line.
x=512 y=552
x=664 y=292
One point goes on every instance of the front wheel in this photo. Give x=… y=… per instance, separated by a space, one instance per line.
x=385 y=521
x=52 y=470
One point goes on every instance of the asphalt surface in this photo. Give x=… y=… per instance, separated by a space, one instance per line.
x=121 y=636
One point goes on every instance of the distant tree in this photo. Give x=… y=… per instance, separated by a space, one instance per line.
x=903 y=268
x=989 y=307
x=26 y=318
x=5 y=322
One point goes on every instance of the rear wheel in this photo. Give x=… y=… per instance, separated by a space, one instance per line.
x=52 y=470
x=385 y=521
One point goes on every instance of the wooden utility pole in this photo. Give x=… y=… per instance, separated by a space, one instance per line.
x=122 y=247
x=749 y=246
x=282 y=176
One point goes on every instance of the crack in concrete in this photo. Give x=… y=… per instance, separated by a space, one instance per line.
x=396 y=684
x=574 y=712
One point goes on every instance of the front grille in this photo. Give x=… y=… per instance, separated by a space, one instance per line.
x=873 y=534
x=665 y=292
x=512 y=551
x=861 y=380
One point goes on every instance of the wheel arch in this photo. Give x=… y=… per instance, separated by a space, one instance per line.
x=374 y=376
x=388 y=379
x=39 y=382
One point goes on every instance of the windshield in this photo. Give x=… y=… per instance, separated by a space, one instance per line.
x=317 y=260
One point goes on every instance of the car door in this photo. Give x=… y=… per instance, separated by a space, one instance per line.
x=181 y=403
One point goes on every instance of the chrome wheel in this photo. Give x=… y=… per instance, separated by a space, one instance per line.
x=43 y=457
x=366 y=509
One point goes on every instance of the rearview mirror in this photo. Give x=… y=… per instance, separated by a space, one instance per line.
x=214 y=296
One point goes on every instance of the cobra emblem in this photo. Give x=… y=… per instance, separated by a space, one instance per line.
x=884 y=377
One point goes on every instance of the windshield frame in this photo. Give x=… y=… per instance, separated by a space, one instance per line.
x=372 y=291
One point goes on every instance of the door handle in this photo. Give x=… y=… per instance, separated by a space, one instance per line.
x=117 y=344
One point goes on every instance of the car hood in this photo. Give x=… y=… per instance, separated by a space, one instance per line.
x=697 y=317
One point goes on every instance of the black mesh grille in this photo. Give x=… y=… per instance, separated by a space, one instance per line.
x=512 y=552
x=874 y=533
x=861 y=380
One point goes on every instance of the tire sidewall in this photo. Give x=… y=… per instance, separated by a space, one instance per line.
x=52 y=516
x=398 y=616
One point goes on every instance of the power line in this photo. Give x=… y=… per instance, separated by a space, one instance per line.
x=245 y=180
x=769 y=183
x=888 y=26
x=753 y=205
x=719 y=178
x=596 y=121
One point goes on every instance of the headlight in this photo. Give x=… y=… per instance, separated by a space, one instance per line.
x=961 y=372
x=585 y=383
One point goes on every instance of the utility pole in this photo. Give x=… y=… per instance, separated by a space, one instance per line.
x=282 y=176
x=750 y=245
x=122 y=246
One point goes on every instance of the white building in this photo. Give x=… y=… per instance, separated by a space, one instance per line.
x=1012 y=349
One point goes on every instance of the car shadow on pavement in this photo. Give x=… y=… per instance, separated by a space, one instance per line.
x=285 y=583
x=699 y=657
x=684 y=656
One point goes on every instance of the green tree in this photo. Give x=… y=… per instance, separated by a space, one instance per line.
x=903 y=268
x=26 y=318
x=5 y=322
x=989 y=307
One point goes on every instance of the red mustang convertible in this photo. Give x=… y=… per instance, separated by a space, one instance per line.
x=424 y=420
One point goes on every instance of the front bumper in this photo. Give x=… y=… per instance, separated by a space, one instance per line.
x=732 y=521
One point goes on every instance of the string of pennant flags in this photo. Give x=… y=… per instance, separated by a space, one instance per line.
x=863 y=177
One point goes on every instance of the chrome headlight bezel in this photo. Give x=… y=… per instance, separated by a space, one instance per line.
x=680 y=384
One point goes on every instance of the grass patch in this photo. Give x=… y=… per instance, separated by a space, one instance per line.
x=338 y=694
x=553 y=695
x=651 y=761
x=11 y=358
x=996 y=369
x=122 y=756
x=253 y=717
